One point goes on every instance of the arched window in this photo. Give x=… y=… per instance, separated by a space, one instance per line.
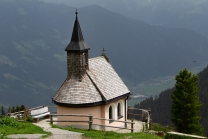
x=111 y=113
x=120 y=109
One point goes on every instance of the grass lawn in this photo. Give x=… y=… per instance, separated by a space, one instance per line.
x=10 y=126
x=158 y=127
x=97 y=134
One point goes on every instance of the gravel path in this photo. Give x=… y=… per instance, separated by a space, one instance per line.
x=56 y=133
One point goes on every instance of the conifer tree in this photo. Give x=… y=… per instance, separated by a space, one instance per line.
x=22 y=107
x=9 y=110
x=186 y=105
x=2 y=111
x=17 y=108
x=13 y=109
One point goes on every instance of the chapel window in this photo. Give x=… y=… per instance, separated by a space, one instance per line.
x=119 y=110
x=110 y=114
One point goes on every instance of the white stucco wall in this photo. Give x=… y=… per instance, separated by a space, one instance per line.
x=101 y=111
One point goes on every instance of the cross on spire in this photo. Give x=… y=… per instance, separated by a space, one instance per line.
x=103 y=50
x=103 y=54
x=76 y=12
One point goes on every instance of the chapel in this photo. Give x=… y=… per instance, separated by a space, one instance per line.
x=92 y=86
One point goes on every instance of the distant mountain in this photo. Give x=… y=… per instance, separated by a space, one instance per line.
x=161 y=105
x=34 y=34
x=188 y=14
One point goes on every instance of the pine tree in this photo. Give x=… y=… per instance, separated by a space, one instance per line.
x=186 y=105
x=9 y=110
x=17 y=108
x=13 y=109
x=22 y=107
x=2 y=111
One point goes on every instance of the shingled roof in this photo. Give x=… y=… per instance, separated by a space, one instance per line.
x=100 y=85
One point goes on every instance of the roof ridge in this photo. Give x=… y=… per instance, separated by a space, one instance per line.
x=103 y=97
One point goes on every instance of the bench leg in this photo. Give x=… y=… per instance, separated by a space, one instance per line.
x=47 y=116
x=35 y=120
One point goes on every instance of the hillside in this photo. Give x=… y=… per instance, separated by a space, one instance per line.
x=188 y=14
x=34 y=35
x=161 y=105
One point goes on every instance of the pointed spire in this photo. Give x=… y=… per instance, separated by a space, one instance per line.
x=77 y=33
x=77 y=41
x=104 y=55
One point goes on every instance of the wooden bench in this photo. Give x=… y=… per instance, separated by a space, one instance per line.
x=40 y=112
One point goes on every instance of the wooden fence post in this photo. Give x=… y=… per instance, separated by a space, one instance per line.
x=132 y=125
x=51 y=119
x=18 y=116
x=143 y=126
x=25 y=113
x=150 y=120
x=90 y=122
x=128 y=111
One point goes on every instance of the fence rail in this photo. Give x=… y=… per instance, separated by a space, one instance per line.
x=149 y=121
x=90 y=121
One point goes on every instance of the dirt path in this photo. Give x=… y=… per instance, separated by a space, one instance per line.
x=56 y=133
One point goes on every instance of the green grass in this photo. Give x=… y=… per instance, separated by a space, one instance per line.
x=10 y=126
x=158 y=127
x=99 y=134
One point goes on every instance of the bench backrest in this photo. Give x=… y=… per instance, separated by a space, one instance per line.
x=39 y=111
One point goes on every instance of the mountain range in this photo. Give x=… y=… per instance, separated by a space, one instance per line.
x=34 y=35
x=188 y=14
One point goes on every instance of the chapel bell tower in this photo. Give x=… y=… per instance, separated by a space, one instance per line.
x=77 y=53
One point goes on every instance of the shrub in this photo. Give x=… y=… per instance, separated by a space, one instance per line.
x=29 y=119
x=2 y=135
x=158 y=127
x=7 y=121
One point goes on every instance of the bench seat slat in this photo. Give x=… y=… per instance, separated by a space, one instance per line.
x=40 y=112
x=41 y=115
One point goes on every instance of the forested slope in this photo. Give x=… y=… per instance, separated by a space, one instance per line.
x=161 y=105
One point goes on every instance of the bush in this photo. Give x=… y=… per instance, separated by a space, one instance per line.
x=158 y=127
x=29 y=119
x=2 y=135
x=7 y=121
